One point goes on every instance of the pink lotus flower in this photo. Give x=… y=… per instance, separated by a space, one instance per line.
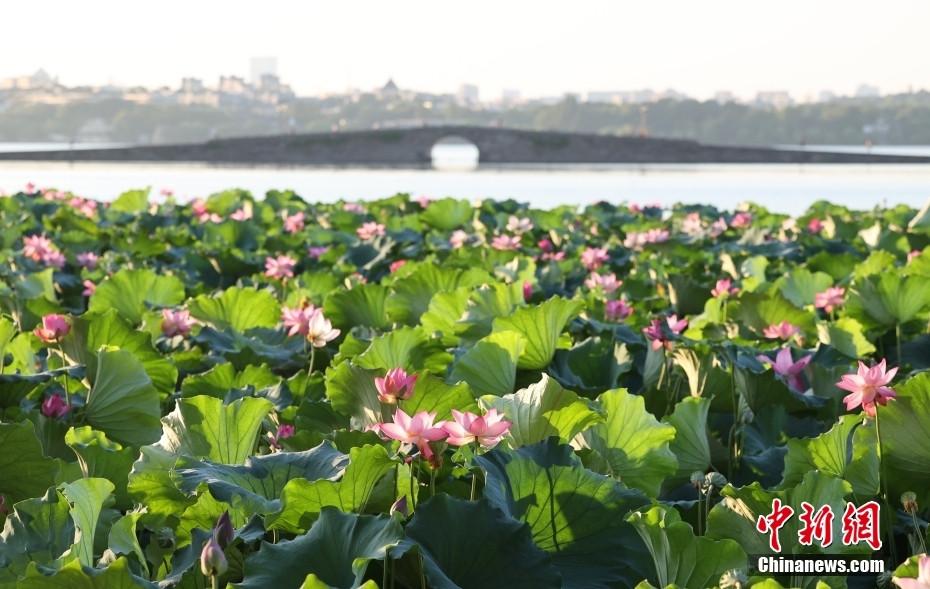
x=294 y=223
x=545 y=244
x=316 y=251
x=87 y=260
x=785 y=366
x=655 y=334
x=506 y=242
x=594 y=257
x=657 y=236
x=369 y=230
x=396 y=265
x=789 y=224
x=284 y=431
x=213 y=561
x=354 y=207
x=554 y=256
x=617 y=311
x=396 y=386
x=166 y=192
x=723 y=289
x=54 y=259
x=718 y=227
x=54 y=327
x=199 y=207
x=635 y=208
x=54 y=407
x=36 y=247
x=89 y=288
x=830 y=298
x=242 y=214
x=458 y=239
x=88 y=208
x=815 y=226
x=176 y=322
x=692 y=224
x=298 y=320
x=467 y=428
x=868 y=387
x=518 y=226
x=320 y=330
x=30 y=188
x=418 y=430
x=423 y=201
x=280 y=267
x=783 y=330
x=923 y=577
x=675 y=324
x=607 y=283
x=634 y=240
x=741 y=220
x=913 y=255
x=527 y=291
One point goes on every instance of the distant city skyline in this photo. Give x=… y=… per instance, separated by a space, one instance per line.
x=537 y=49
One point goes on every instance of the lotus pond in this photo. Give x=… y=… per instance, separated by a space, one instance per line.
x=253 y=393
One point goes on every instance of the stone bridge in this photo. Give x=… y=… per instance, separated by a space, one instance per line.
x=411 y=148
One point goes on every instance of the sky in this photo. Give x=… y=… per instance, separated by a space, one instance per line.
x=540 y=48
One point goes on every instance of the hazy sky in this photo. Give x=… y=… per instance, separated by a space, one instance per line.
x=538 y=47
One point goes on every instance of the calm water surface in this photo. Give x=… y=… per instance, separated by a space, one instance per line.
x=787 y=188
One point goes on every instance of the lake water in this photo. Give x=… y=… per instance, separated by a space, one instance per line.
x=787 y=188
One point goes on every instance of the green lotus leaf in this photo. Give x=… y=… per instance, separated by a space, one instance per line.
x=98 y=457
x=682 y=559
x=36 y=530
x=24 y=471
x=337 y=549
x=238 y=309
x=432 y=394
x=447 y=214
x=122 y=403
x=542 y=327
x=905 y=433
x=260 y=346
x=351 y=390
x=488 y=548
x=577 y=516
x=413 y=293
x=255 y=487
x=443 y=313
x=131 y=291
x=88 y=497
x=410 y=348
x=364 y=304
x=801 y=285
x=761 y=390
x=686 y=295
x=691 y=445
x=542 y=410
x=490 y=366
x=592 y=366
x=758 y=311
x=90 y=332
x=131 y=201
x=219 y=380
x=74 y=575
x=124 y=540
x=846 y=335
x=303 y=499
x=634 y=444
x=486 y=304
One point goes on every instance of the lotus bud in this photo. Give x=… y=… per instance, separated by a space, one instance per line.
x=909 y=500
x=400 y=506
x=733 y=579
x=212 y=560
x=224 y=532
x=165 y=538
x=697 y=479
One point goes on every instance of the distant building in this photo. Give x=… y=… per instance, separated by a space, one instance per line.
x=262 y=66
x=773 y=99
x=725 y=96
x=866 y=91
x=827 y=96
x=37 y=81
x=191 y=85
x=389 y=89
x=602 y=97
x=467 y=94
x=510 y=96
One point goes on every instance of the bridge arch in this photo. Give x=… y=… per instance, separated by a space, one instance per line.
x=454 y=152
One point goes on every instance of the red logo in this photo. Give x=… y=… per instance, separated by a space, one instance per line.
x=859 y=524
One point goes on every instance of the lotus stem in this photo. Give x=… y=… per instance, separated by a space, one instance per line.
x=64 y=362
x=897 y=339
x=699 y=502
x=474 y=478
x=215 y=581
x=413 y=496
x=920 y=537
x=881 y=473
x=432 y=482
x=384 y=578
x=312 y=358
